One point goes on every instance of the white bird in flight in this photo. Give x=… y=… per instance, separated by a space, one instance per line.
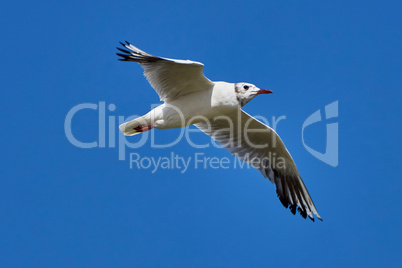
x=215 y=108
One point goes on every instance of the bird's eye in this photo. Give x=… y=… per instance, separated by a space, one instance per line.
x=245 y=87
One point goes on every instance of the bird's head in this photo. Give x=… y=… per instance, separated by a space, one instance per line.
x=245 y=92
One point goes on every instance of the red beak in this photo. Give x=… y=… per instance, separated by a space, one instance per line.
x=264 y=91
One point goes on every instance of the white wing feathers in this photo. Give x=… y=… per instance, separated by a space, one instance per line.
x=169 y=77
x=259 y=145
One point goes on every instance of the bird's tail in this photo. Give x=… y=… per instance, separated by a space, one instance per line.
x=135 y=126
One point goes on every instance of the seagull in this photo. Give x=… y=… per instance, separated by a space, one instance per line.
x=215 y=108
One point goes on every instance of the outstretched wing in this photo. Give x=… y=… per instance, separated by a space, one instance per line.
x=169 y=77
x=260 y=146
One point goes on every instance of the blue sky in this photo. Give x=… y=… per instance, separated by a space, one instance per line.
x=64 y=206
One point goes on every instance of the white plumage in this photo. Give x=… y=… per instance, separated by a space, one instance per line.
x=215 y=108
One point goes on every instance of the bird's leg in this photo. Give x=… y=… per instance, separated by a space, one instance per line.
x=143 y=128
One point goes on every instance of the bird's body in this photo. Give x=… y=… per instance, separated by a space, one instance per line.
x=218 y=100
x=215 y=108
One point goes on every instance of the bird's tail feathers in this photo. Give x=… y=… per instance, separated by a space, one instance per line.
x=134 y=127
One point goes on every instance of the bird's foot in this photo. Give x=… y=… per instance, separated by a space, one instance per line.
x=143 y=128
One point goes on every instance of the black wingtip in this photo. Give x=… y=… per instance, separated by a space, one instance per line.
x=123 y=50
x=127 y=42
x=283 y=201
x=293 y=209
x=124 y=57
x=302 y=212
